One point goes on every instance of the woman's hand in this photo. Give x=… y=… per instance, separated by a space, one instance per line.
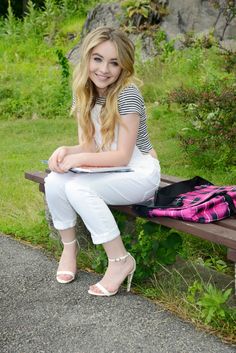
x=71 y=161
x=57 y=158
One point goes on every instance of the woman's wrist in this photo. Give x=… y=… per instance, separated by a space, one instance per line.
x=71 y=149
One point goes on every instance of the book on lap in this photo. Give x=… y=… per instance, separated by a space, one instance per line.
x=97 y=169
x=100 y=169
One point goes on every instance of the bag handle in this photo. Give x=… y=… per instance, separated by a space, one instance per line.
x=166 y=196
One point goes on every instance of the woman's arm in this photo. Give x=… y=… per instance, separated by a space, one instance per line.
x=81 y=148
x=126 y=142
x=60 y=153
x=153 y=153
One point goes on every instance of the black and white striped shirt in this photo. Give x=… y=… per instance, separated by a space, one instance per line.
x=130 y=101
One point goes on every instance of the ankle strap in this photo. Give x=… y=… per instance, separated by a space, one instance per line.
x=70 y=242
x=117 y=259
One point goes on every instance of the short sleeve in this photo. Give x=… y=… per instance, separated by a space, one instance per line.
x=130 y=100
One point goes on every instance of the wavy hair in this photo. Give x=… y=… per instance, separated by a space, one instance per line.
x=84 y=89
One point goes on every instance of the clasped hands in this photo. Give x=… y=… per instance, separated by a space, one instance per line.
x=62 y=160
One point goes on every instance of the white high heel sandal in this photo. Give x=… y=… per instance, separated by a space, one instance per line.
x=70 y=273
x=103 y=291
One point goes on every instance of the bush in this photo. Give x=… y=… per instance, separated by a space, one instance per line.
x=210 y=133
x=143 y=13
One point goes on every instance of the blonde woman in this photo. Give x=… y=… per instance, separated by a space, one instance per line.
x=112 y=132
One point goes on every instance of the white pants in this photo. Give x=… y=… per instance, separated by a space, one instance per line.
x=89 y=194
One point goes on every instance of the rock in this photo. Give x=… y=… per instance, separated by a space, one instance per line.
x=101 y=15
x=112 y=15
x=197 y=16
x=229 y=44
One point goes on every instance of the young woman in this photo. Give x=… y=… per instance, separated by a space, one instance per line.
x=112 y=132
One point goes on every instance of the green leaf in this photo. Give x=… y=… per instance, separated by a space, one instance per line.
x=149 y=228
x=174 y=241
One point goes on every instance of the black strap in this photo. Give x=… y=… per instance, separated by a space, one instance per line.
x=230 y=202
x=168 y=195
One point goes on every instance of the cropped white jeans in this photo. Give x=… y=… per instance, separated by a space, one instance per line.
x=89 y=195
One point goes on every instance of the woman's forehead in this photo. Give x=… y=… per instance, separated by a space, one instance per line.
x=106 y=48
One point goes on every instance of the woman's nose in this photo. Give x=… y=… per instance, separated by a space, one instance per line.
x=104 y=67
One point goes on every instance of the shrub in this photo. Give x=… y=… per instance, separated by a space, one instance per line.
x=211 y=303
x=143 y=13
x=190 y=40
x=229 y=60
x=210 y=133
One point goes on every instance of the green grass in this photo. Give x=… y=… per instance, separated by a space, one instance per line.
x=23 y=144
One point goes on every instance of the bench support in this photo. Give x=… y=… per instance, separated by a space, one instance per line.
x=231 y=255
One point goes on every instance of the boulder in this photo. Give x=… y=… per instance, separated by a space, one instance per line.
x=101 y=15
x=112 y=15
x=198 y=16
x=192 y=16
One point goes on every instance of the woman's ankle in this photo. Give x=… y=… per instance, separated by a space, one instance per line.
x=115 y=274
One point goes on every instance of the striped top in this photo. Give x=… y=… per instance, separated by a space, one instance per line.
x=130 y=101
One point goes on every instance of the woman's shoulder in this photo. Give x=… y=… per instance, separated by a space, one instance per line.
x=130 y=94
x=131 y=89
x=130 y=100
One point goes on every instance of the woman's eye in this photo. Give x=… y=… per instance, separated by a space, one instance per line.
x=114 y=63
x=98 y=59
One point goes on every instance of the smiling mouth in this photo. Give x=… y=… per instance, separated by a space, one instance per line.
x=101 y=77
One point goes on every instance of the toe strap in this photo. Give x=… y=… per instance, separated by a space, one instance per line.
x=102 y=289
x=65 y=273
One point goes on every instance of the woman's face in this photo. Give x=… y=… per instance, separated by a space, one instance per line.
x=103 y=66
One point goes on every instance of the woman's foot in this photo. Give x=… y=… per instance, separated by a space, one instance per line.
x=117 y=271
x=67 y=268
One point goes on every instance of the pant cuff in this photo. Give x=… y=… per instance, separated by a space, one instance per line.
x=64 y=225
x=105 y=237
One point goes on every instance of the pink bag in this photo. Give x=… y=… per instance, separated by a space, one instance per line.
x=200 y=202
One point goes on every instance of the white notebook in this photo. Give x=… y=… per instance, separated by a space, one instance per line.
x=97 y=169
x=100 y=169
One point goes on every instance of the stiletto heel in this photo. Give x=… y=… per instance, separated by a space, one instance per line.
x=129 y=281
x=130 y=275
x=103 y=291
x=70 y=273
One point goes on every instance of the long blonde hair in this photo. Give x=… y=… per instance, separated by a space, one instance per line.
x=84 y=90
